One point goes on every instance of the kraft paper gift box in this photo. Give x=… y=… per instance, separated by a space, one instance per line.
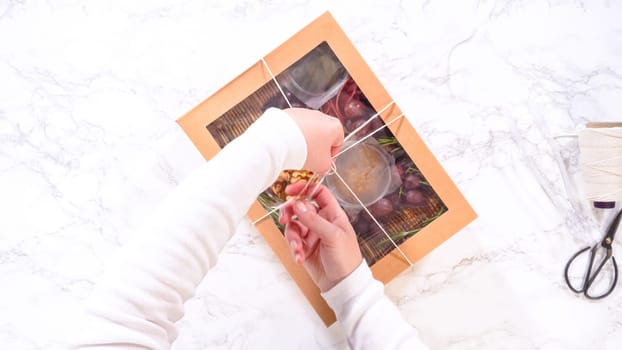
x=320 y=68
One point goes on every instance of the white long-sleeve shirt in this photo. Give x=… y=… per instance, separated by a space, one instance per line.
x=141 y=296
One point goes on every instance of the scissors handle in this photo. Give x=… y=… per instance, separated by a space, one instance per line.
x=590 y=276
x=613 y=283
x=568 y=264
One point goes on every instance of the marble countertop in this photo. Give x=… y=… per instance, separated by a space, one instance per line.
x=89 y=95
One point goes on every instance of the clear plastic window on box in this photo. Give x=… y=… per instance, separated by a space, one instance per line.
x=386 y=197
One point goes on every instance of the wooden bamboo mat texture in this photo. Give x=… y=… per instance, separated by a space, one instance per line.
x=376 y=245
x=236 y=120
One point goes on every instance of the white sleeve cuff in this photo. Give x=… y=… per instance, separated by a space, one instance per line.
x=354 y=284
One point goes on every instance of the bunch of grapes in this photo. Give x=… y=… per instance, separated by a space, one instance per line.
x=352 y=108
x=411 y=194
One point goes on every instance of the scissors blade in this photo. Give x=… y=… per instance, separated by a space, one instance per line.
x=611 y=231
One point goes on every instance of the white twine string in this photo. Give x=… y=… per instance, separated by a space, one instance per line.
x=334 y=171
x=276 y=82
x=368 y=135
x=601 y=163
x=372 y=216
x=352 y=134
x=308 y=197
x=274 y=210
x=350 y=189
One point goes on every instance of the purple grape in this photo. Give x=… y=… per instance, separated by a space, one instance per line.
x=376 y=123
x=400 y=170
x=361 y=227
x=399 y=153
x=414 y=197
x=355 y=124
x=354 y=109
x=395 y=198
x=411 y=181
x=362 y=223
x=363 y=217
x=382 y=207
x=405 y=163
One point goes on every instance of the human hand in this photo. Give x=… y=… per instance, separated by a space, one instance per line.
x=323 y=134
x=321 y=239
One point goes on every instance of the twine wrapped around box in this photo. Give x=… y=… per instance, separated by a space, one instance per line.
x=410 y=232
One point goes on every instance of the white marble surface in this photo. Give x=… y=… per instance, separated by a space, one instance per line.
x=89 y=93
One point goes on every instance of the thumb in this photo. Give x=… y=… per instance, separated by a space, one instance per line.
x=314 y=222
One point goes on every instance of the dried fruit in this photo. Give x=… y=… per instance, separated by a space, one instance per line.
x=288 y=177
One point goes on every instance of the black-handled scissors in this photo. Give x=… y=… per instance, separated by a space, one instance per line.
x=591 y=273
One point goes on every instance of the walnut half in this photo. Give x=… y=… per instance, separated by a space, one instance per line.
x=288 y=177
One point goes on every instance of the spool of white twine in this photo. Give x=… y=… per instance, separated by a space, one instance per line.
x=600 y=147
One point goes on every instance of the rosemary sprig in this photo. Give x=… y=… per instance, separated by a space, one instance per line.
x=387 y=141
x=414 y=170
x=267 y=202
